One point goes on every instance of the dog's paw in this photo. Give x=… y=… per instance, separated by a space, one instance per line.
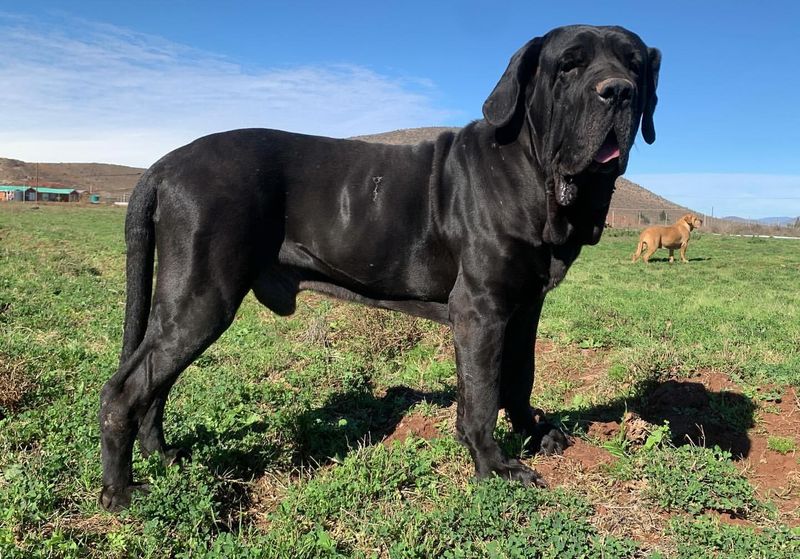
x=113 y=498
x=514 y=470
x=553 y=442
x=175 y=455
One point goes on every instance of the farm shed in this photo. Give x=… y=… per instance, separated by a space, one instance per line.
x=17 y=193
x=46 y=194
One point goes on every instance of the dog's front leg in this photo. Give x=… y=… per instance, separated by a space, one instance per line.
x=516 y=383
x=479 y=325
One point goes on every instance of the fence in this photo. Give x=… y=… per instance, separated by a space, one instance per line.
x=638 y=218
x=642 y=217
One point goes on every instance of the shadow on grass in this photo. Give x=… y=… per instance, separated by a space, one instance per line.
x=677 y=260
x=316 y=437
x=695 y=414
x=357 y=417
x=348 y=419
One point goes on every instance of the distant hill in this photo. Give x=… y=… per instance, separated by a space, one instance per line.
x=784 y=221
x=100 y=178
x=632 y=205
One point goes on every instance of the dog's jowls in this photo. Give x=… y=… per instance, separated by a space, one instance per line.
x=471 y=229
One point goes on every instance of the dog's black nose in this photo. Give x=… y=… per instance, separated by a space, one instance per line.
x=614 y=89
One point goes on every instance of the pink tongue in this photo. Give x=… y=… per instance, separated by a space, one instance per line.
x=607 y=152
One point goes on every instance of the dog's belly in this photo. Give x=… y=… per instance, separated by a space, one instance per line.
x=391 y=273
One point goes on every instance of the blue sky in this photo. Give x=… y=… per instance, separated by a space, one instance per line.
x=125 y=82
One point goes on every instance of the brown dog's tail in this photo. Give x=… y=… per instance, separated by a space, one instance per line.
x=140 y=240
x=639 y=249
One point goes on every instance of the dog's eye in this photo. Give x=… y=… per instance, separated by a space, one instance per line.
x=635 y=63
x=569 y=65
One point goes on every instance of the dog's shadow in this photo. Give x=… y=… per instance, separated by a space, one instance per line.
x=695 y=414
x=677 y=261
x=348 y=419
x=317 y=436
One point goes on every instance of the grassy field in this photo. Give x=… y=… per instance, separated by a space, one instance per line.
x=330 y=434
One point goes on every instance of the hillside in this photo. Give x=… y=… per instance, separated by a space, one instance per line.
x=110 y=181
x=630 y=201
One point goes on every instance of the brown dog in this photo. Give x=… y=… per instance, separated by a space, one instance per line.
x=671 y=237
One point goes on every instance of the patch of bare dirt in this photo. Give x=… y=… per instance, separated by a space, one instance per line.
x=579 y=456
x=711 y=410
x=620 y=510
x=266 y=494
x=775 y=475
x=417 y=425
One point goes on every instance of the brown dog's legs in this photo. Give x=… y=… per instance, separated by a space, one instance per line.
x=649 y=253
x=671 y=255
x=639 y=249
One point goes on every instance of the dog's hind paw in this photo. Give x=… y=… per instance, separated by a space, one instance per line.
x=553 y=442
x=175 y=455
x=114 y=498
x=515 y=470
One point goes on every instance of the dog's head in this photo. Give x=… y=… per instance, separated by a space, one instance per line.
x=693 y=221
x=581 y=92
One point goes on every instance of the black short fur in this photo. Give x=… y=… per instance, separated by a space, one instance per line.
x=471 y=230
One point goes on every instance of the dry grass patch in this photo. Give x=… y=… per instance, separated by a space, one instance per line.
x=15 y=384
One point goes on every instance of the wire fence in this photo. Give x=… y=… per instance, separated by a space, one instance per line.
x=639 y=218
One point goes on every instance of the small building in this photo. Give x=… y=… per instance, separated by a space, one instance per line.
x=11 y=193
x=47 y=194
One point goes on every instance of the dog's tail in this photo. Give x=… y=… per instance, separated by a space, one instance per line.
x=140 y=240
x=639 y=249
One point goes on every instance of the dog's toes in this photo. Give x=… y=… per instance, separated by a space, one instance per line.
x=554 y=442
x=515 y=470
x=114 y=498
x=176 y=455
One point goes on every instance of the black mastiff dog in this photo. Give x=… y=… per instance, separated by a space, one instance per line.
x=471 y=230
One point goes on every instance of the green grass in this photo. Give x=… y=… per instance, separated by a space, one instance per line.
x=784 y=445
x=284 y=415
x=735 y=307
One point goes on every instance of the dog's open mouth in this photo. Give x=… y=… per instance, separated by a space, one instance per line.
x=605 y=161
x=609 y=150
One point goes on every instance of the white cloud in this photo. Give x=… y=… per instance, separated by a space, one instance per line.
x=740 y=194
x=76 y=90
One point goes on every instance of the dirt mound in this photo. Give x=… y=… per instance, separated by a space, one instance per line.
x=417 y=425
x=710 y=410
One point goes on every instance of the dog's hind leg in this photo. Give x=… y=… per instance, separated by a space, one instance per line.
x=200 y=286
x=650 y=251
x=639 y=249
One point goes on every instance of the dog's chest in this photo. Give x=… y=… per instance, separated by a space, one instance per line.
x=561 y=258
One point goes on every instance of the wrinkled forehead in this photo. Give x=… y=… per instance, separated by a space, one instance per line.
x=590 y=40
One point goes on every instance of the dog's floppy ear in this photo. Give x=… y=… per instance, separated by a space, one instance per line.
x=648 y=128
x=500 y=106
